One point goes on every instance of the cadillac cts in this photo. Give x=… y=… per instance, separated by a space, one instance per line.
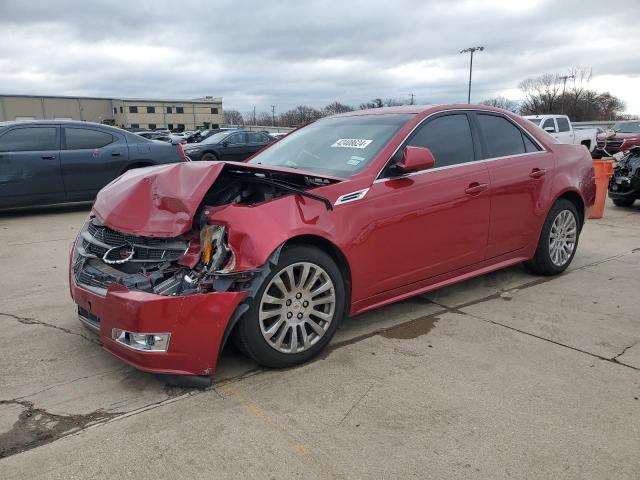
x=342 y=216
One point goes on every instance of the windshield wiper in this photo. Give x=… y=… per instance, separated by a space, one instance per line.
x=294 y=189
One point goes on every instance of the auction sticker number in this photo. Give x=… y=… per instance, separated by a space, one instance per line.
x=352 y=143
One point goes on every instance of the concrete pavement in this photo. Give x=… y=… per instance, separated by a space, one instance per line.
x=504 y=376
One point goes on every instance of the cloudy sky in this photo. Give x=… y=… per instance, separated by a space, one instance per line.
x=286 y=53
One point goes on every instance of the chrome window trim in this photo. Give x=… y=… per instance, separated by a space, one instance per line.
x=463 y=110
x=446 y=167
x=357 y=195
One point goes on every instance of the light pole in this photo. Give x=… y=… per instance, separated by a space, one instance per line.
x=273 y=115
x=471 y=50
x=564 y=79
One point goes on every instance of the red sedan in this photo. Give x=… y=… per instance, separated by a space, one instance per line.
x=342 y=216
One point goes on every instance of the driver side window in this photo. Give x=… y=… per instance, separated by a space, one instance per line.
x=549 y=123
x=449 y=139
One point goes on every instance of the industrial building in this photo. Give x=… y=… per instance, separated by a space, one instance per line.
x=148 y=113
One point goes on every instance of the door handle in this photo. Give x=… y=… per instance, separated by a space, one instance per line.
x=476 y=188
x=538 y=173
x=115 y=154
x=48 y=157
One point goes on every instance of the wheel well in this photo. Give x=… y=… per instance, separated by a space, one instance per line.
x=586 y=143
x=574 y=198
x=334 y=252
x=211 y=153
x=136 y=165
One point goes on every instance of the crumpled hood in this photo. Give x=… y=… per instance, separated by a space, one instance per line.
x=618 y=136
x=162 y=201
x=156 y=201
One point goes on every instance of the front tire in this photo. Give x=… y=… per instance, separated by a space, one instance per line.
x=209 y=157
x=296 y=311
x=623 y=202
x=558 y=240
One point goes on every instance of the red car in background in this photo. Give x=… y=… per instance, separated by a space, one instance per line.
x=342 y=216
x=621 y=137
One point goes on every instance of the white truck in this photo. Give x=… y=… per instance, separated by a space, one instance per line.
x=559 y=127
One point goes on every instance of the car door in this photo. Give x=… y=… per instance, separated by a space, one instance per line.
x=521 y=173
x=257 y=141
x=234 y=147
x=30 y=166
x=564 y=135
x=431 y=222
x=90 y=158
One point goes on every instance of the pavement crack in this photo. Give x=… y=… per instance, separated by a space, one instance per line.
x=615 y=359
x=33 y=321
x=35 y=427
x=357 y=402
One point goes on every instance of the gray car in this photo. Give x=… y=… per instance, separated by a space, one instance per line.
x=48 y=162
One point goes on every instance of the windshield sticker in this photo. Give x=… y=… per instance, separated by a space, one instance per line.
x=355 y=160
x=352 y=143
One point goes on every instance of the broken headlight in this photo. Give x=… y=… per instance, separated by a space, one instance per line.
x=217 y=256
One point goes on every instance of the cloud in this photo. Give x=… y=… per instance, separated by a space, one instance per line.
x=291 y=52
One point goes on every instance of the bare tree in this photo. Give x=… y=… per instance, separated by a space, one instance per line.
x=375 y=103
x=233 y=117
x=502 y=102
x=544 y=94
x=264 y=118
x=336 y=107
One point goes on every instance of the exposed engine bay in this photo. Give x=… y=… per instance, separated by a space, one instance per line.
x=199 y=261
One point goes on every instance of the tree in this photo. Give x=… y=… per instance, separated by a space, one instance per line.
x=502 y=102
x=375 y=103
x=299 y=115
x=549 y=94
x=233 y=117
x=264 y=118
x=336 y=107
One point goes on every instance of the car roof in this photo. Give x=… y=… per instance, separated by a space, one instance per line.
x=420 y=109
x=75 y=123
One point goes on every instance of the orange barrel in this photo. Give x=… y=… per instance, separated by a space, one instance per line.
x=603 y=170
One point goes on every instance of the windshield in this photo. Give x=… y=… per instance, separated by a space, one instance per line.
x=339 y=146
x=535 y=120
x=216 y=137
x=627 y=127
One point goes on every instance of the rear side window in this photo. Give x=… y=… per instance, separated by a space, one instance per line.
x=563 y=124
x=449 y=139
x=236 y=139
x=501 y=137
x=82 y=138
x=29 y=139
x=529 y=146
x=255 y=137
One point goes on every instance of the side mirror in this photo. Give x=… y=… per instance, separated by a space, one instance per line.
x=549 y=129
x=225 y=144
x=415 y=159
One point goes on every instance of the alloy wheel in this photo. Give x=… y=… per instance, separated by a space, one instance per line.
x=563 y=237
x=297 y=307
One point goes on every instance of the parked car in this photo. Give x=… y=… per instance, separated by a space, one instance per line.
x=230 y=145
x=49 y=162
x=624 y=185
x=560 y=128
x=340 y=217
x=278 y=135
x=620 y=138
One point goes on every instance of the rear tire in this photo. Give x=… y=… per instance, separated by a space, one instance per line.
x=558 y=240
x=290 y=322
x=623 y=202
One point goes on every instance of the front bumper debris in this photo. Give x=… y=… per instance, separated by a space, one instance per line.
x=196 y=324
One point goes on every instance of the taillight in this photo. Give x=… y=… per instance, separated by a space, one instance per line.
x=181 y=151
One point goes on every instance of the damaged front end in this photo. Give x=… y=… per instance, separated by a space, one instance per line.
x=184 y=265
x=164 y=296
